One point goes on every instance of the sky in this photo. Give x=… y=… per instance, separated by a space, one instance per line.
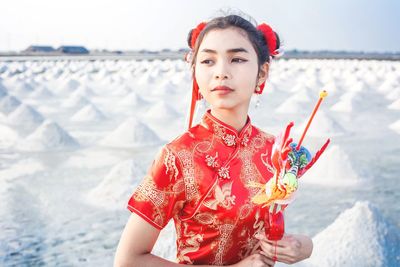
x=336 y=25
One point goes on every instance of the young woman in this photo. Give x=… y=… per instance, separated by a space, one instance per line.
x=201 y=178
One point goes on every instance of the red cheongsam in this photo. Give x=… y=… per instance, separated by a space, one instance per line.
x=200 y=179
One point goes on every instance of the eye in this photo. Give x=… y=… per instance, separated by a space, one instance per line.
x=207 y=61
x=239 y=60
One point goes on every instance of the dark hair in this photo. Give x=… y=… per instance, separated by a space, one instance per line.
x=255 y=36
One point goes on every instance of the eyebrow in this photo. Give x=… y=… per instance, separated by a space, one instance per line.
x=229 y=51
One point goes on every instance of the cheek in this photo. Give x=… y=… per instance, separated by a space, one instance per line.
x=201 y=74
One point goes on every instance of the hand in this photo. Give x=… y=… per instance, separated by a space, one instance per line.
x=290 y=249
x=255 y=260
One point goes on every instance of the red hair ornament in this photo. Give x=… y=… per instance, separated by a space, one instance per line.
x=270 y=38
x=195 y=91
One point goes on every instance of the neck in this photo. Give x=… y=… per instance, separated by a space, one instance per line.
x=236 y=118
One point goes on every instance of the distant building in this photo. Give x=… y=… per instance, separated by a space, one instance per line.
x=39 y=49
x=73 y=50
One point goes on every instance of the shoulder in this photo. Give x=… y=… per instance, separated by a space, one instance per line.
x=188 y=139
x=257 y=132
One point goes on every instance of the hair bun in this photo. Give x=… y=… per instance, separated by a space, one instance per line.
x=271 y=39
x=194 y=33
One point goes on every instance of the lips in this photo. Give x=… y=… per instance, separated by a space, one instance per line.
x=222 y=88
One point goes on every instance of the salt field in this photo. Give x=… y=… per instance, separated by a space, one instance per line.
x=76 y=137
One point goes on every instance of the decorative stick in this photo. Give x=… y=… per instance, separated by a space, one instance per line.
x=322 y=95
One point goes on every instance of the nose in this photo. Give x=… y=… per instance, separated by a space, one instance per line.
x=221 y=71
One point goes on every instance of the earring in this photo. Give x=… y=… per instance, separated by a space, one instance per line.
x=258 y=101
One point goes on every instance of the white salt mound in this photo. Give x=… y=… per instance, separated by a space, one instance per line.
x=133 y=100
x=26 y=116
x=162 y=110
x=24 y=89
x=9 y=103
x=116 y=188
x=333 y=168
x=291 y=105
x=42 y=92
x=395 y=126
x=359 y=236
x=75 y=102
x=131 y=133
x=346 y=103
x=8 y=136
x=70 y=85
x=3 y=90
x=323 y=125
x=48 y=136
x=83 y=91
x=395 y=105
x=88 y=113
x=166 y=88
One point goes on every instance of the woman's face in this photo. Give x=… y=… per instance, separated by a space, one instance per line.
x=227 y=58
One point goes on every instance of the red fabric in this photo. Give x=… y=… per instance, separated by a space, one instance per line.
x=270 y=38
x=195 y=88
x=200 y=180
x=196 y=32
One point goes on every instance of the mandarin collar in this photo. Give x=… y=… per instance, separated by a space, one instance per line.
x=225 y=132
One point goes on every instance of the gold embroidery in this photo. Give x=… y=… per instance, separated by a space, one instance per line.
x=223 y=172
x=229 y=139
x=179 y=186
x=251 y=244
x=205 y=218
x=148 y=189
x=222 y=197
x=170 y=164
x=225 y=231
x=188 y=174
x=245 y=211
x=192 y=244
x=212 y=161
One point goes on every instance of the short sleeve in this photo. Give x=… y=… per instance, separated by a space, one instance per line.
x=161 y=192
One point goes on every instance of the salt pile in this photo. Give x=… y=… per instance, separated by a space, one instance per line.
x=23 y=89
x=395 y=105
x=25 y=116
x=162 y=111
x=292 y=105
x=48 y=136
x=88 y=113
x=324 y=124
x=41 y=93
x=131 y=133
x=8 y=136
x=116 y=188
x=3 y=90
x=9 y=103
x=70 y=85
x=333 y=168
x=360 y=236
x=395 y=126
x=75 y=102
x=83 y=91
x=133 y=100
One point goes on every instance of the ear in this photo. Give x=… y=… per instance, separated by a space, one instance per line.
x=264 y=71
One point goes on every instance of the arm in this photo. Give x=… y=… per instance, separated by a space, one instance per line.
x=137 y=241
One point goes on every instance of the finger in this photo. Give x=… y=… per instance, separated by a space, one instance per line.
x=275 y=243
x=273 y=250
x=262 y=237
x=268 y=260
